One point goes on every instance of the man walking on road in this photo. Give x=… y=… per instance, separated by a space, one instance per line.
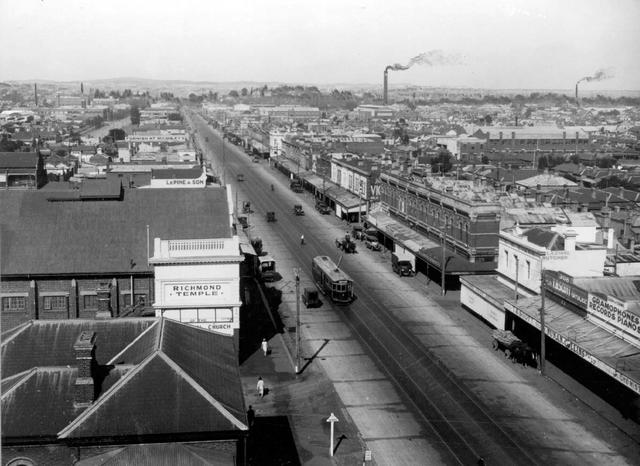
x=260 y=387
x=301 y=240
x=265 y=346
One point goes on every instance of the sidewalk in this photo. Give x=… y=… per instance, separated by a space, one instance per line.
x=294 y=410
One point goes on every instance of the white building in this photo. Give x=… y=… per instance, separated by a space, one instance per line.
x=198 y=281
x=522 y=256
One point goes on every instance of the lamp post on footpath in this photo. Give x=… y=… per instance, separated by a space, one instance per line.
x=296 y=271
x=443 y=261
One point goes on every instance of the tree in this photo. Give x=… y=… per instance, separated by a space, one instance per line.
x=118 y=134
x=135 y=115
x=606 y=162
x=244 y=92
x=543 y=162
x=442 y=162
x=233 y=94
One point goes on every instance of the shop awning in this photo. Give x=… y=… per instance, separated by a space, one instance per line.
x=601 y=348
x=455 y=264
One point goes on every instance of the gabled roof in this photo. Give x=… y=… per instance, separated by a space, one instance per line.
x=545 y=238
x=158 y=377
x=50 y=342
x=546 y=180
x=161 y=454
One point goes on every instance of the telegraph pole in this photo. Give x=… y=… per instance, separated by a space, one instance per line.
x=515 y=291
x=297 y=368
x=444 y=247
x=542 y=327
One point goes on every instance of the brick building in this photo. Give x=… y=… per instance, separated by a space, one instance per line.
x=467 y=214
x=62 y=249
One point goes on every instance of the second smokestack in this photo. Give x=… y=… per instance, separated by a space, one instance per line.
x=385 y=83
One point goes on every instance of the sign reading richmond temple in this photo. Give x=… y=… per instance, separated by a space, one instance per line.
x=198 y=281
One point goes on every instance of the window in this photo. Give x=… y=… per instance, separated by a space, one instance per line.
x=528 y=270
x=14 y=303
x=90 y=301
x=506 y=258
x=55 y=303
x=140 y=299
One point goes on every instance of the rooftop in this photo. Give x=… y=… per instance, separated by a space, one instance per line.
x=102 y=236
x=141 y=364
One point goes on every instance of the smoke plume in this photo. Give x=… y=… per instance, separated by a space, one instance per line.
x=431 y=58
x=599 y=75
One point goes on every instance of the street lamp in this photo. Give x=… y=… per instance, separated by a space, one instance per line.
x=444 y=249
x=296 y=272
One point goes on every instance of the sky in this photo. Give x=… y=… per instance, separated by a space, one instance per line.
x=500 y=44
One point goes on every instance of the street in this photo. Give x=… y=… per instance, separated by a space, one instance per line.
x=455 y=392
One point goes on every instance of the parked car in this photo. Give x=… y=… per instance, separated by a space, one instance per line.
x=371 y=242
x=323 y=208
x=296 y=187
x=297 y=209
x=401 y=267
x=310 y=298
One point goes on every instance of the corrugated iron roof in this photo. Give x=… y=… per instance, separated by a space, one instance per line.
x=102 y=236
x=159 y=385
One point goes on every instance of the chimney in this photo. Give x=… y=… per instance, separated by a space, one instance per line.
x=570 y=240
x=85 y=349
x=384 y=84
x=35 y=92
x=104 y=301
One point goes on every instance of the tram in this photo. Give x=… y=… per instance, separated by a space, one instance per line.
x=332 y=281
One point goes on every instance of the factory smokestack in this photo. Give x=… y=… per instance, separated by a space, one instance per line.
x=577 y=99
x=385 y=83
x=35 y=92
x=431 y=58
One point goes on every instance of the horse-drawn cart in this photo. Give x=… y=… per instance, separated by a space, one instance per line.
x=514 y=349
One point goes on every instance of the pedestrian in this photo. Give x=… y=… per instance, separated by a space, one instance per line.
x=265 y=346
x=251 y=416
x=301 y=240
x=260 y=387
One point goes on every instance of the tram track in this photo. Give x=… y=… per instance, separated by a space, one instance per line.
x=446 y=408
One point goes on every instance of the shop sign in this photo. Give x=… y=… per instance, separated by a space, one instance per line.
x=614 y=312
x=556 y=255
x=197 y=292
x=561 y=284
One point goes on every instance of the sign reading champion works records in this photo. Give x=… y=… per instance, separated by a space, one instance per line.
x=196 y=293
